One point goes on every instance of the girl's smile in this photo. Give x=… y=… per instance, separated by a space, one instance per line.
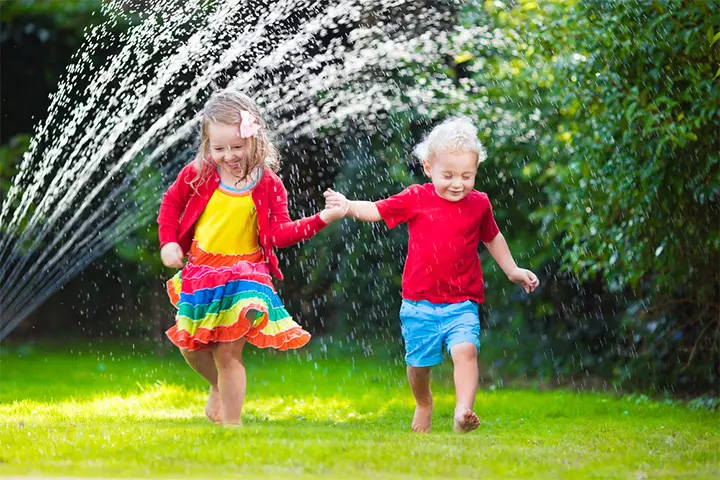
x=227 y=149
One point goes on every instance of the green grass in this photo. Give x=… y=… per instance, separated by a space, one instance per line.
x=116 y=411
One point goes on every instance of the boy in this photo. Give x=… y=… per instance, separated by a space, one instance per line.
x=442 y=280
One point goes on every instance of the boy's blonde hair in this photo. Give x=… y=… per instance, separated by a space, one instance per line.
x=456 y=134
x=224 y=107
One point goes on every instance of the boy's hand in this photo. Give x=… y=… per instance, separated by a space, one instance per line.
x=172 y=255
x=336 y=206
x=526 y=278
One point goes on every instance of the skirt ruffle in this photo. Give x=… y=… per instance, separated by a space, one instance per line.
x=228 y=303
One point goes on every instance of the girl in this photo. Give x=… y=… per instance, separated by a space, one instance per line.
x=442 y=280
x=227 y=211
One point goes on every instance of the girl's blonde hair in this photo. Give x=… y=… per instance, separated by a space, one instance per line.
x=456 y=134
x=224 y=107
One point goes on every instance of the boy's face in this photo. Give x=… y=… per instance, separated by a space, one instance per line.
x=452 y=174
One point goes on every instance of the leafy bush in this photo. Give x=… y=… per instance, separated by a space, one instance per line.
x=601 y=124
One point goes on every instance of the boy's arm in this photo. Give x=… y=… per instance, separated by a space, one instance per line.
x=358 y=209
x=393 y=210
x=500 y=251
x=364 y=211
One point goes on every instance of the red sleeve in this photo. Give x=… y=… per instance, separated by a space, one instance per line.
x=283 y=231
x=488 y=227
x=399 y=208
x=173 y=205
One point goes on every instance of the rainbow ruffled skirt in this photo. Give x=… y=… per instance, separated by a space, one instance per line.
x=224 y=304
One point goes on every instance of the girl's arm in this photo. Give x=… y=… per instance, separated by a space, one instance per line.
x=172 y=207
x=500 y=251
x=285 y=232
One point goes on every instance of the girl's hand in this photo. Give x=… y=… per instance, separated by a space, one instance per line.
x=336 y=206
x=172 y=255
x=526 y=278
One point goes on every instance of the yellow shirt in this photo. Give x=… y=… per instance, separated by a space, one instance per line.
x=227 y=231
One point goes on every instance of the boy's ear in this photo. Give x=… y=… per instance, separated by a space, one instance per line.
x=427 y=168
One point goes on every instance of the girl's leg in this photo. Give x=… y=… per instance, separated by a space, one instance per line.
x=202 y=362
x=420 y=384
x=231 y=379
x=464 y=357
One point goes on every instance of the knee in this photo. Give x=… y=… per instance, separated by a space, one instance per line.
x=225 y=356
x=418 y=372
x=464 y=352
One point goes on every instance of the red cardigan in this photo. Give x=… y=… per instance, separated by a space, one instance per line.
x=182 y=206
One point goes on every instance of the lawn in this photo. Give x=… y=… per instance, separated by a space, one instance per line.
x=110 y=410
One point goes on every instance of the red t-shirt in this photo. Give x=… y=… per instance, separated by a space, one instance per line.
x=443 y=265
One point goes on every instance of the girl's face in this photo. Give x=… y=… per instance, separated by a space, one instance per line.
x=227 y=149
x=452 y=174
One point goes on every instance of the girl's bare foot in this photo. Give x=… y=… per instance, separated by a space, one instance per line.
x=422 y=421
x=466 y=421
x=213 y=409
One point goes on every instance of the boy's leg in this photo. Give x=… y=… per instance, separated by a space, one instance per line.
x=203 y=363
x=423 y=349
x=462 y=336
x=464 y=356
x=420 y=384
x=231 y=379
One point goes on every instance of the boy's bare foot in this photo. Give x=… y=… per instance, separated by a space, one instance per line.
x=466 y=421
x=422 y=420
x=213 y=409
x=237 y=424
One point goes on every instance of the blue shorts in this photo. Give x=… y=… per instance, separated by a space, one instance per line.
x=426 y=327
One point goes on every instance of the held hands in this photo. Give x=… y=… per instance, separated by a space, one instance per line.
x=172 y=255
x=336 y=206
x=525 y=278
